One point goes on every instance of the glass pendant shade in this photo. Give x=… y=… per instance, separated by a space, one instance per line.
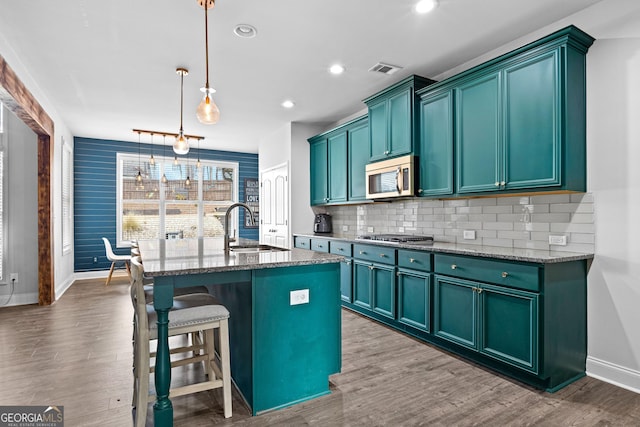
x=181 y=146
x=208 y=112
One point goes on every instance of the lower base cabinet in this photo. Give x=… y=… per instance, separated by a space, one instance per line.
x=525 y=320
x=498 y=322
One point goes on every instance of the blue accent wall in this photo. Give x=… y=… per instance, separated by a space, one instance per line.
x=95 y=184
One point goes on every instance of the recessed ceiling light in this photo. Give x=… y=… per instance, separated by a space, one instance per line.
x=336 y=69
x=288 y=104
x=426 y=6
x=245 y=31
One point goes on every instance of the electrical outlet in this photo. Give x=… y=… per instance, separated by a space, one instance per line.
x=558 y=240
x=13 y=277
x=345 y=228
x=469 y=234
x=369 y=229
x=300 y=296
x=95 y=259
x=400 y=229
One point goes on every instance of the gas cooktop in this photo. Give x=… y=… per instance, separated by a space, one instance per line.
x=397 y=238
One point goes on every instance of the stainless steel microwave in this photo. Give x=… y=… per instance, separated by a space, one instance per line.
x=390 y=178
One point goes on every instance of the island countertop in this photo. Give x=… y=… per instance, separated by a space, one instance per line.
x=206 y=255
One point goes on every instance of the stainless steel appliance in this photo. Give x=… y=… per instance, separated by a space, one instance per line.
x=390 y=178
x=398 y=238
x=322 y=223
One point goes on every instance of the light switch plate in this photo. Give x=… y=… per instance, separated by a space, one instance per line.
x=345 y=228
x=369 y=229
x=300 y=296
x=469 y=234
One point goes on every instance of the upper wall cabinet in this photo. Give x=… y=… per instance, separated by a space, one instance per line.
x=518 y=122
x=337 y=161
x=393 y=119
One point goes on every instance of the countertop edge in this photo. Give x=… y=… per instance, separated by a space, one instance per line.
x=513 y=254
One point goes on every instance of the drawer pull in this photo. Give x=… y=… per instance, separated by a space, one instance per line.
x=453 y=266
x=371 y=267
x=412 y=260
x=363 y=253
x=340 y=249
x=504 y=274
x=497 y=184
x=479 y=290
x=503 y=183
x=382 y=255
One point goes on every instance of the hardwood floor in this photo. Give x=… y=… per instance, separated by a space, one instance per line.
x=77 y=353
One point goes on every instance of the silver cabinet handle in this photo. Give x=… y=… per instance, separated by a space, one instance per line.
x=504 y=274
x=341 y=250
x=453 y=266
x=503 y=183
x=371 y=267
x=420 y=190
x=412 y=260
x=382 y=255
x=363 y=253
x=497 y=184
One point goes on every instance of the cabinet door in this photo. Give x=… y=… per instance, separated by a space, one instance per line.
x=378 y=148
x=358 y=142
x=414 y=297
x=509 y=326
x=384 y=290
x=400 y=139
x=318 y=166
x=337 y=167
x=436 y=145
x=346 y=280
x=478 y=136
x=455 y=310
x=532 y=123
x=362 y=284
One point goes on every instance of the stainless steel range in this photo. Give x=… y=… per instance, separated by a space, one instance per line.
x=397 y=238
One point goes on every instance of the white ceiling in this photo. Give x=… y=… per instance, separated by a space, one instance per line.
x=109 y=66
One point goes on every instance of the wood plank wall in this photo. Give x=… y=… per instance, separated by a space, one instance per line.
x=95 y=188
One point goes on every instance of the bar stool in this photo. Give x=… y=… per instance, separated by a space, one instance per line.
x=191 y=313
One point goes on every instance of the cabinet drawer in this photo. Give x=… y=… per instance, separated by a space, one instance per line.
x=319 y=245
x=515 y=275
x=302 y=242
x=415 y=260
x=373 y=253
x=340 y=248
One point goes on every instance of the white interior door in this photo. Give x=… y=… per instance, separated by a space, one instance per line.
x=274 y=206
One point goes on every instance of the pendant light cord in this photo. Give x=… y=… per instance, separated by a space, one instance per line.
x=206 y=42
x=181 y=98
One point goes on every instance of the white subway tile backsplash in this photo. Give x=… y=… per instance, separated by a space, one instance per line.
x=519 y=221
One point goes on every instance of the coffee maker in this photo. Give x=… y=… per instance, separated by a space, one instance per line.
x=322 y=223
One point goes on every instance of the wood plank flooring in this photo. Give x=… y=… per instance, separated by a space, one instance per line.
x=77 y=353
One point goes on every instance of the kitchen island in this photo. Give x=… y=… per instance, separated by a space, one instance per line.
x=283 y=347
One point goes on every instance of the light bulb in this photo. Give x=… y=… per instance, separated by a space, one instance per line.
x=198 y=164
x=164 y=179
x=175 y=160
x=208 y=112
x=152 y=161
x=139 y=177
x=426 y=6
x=188 y=181
x=181 y=146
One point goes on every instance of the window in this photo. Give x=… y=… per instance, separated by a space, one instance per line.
x=67 y=185
x=152 y=209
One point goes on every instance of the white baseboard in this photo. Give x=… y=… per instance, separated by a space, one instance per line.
x=60 y=290
x=614 y=374
x=100 y=274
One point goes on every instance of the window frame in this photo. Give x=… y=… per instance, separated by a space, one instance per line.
x=162 y=201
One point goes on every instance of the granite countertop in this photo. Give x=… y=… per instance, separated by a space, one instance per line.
x=206 y=255
x=514 y=254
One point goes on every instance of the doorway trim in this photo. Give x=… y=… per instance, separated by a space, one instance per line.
x=18 y=99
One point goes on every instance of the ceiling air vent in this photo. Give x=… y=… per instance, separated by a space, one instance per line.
x=385 y=68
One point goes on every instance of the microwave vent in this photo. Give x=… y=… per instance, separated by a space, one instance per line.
x=383 y=68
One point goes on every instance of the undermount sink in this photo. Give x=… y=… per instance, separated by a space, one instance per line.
x=256 y=248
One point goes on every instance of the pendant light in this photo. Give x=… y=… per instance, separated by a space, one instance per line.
x=198 y=164
x=187 y=182
x=152 y=161
x=139 y=185
x=181 y=146
x=164 y=146
x=207 y=112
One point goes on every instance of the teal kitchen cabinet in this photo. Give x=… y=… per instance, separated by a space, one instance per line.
x=328 y=166
x=393 y=124
x=357 y=159
x=414 y=289
x=518 y=121
x=302 y=242
x=435 y=150
x=337 y=163
x=455 y=311
x=346 y=268
x=374 y=284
